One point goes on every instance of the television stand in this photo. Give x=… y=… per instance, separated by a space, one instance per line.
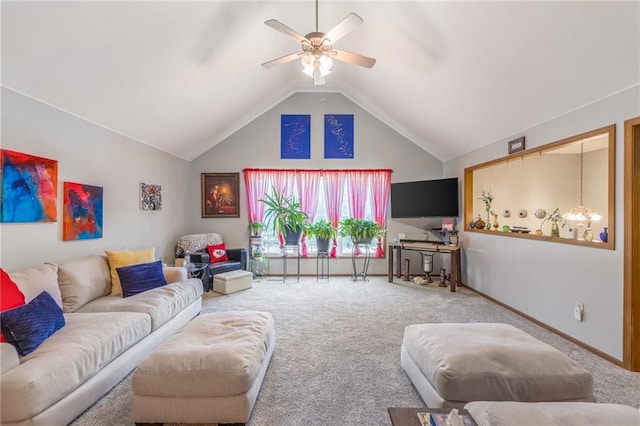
x=422 y=241
x=395 y=251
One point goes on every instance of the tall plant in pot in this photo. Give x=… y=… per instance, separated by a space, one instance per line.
x=324 y=231
x=361 y=231
x=283 y=215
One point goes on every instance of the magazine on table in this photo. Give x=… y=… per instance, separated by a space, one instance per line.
x=439 y=418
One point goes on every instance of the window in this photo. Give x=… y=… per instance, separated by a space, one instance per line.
x=365 y=192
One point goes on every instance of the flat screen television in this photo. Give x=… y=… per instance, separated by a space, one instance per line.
x=425 y=198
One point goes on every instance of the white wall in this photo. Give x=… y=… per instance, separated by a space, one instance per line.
x=543 y=279
x=91 y=155
x=258 y=145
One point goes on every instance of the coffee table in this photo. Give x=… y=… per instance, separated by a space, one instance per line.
x=403 y=416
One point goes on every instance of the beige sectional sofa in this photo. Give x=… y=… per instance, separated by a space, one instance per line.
x=104 y=338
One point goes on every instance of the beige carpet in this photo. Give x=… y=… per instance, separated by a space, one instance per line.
x=337 y=355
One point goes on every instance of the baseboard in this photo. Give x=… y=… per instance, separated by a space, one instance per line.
x=551 y=329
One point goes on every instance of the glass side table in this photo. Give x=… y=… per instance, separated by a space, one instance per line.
x=201 y=271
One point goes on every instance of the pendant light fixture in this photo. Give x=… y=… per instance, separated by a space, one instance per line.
x=581 y=213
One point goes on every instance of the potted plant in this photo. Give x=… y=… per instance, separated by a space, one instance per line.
x=324 y=231
x=283 y=215
x=555 y=218
x=487 y=199
x=255 y=228
x=361 y=231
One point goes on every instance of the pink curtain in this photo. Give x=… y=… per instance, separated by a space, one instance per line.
x=357 y=181
x=283 y=181
x=380 y=189
x=357 y=192
x=333 y=192
x=257 y=184
x=308 y=189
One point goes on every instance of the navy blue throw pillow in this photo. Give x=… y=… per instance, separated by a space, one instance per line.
x=142 y=277
x=27 y=326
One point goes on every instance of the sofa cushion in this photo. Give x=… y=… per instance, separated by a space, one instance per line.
x=124 y=258
x=27 y=326
x=220 y=267
x=34 y=281
x=141 y=277
x=10 y=295
x=9 y=357
x=83 y=280
x=161 y=303
x=69 y=358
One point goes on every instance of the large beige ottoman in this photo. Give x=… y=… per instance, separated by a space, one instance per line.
x=232 y=281
x=495 y=413
x=452 y=364
x=209 y=372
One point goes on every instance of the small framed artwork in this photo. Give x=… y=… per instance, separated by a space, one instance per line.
x=516 y=145
x=150 y=196
x=295 y=136
x=82 y=212
x=220 y=194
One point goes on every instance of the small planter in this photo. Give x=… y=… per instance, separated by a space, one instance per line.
x=363 y=241
x=322 y=244
x=291 y=237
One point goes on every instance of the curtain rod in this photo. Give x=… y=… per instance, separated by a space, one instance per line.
x=317 y=170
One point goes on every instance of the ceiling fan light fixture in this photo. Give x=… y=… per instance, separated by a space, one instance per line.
x=317 y=67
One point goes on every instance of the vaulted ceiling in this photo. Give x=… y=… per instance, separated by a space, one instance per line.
x=450 y=76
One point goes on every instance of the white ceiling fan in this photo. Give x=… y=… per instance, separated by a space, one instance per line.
x=317 y=48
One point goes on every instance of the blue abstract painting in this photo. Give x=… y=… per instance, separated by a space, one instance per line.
x=338 y=136
x=29 y=188
x=295 y=136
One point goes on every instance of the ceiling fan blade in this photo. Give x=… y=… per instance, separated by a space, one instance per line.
x=352 y=58
x=279 y=26
x=282 y=60
x=344 y=27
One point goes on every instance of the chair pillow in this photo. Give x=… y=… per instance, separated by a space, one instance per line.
x=10 y=295
x=27 y=326
x=217 y=253
x=125 y=258
x=136 y=279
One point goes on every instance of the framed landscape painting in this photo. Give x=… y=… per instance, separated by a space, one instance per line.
x=82 y=212
x=220 y=194
x=29 y=188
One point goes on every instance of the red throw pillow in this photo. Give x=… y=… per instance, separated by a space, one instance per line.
x=217 y=253
x=10 y=295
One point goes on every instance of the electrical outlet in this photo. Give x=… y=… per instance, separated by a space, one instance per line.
x=578 y=311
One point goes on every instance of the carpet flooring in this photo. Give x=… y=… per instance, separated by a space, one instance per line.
x=337 y=354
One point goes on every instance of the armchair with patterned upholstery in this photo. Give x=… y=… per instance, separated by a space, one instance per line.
x=196 y=246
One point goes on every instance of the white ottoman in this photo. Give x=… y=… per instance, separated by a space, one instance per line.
x=232 y=281
x=209 y=372
x=494 y=413
x=452 y=364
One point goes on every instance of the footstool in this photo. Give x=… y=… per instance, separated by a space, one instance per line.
x=209 y=372
x=498 y=413
x=452 y=364
x=232 y=281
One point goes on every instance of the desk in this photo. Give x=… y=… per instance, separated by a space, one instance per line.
x=454 y=251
